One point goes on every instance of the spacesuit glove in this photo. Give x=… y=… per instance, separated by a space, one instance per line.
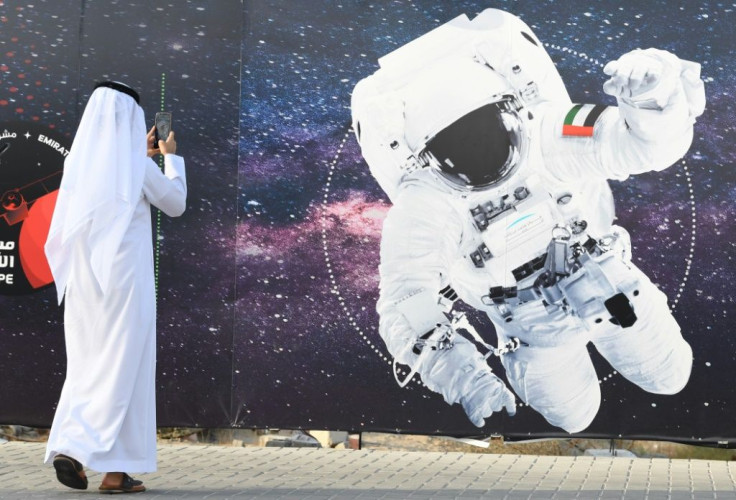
x=462 y=376
x=651 y=78
x=488 y=395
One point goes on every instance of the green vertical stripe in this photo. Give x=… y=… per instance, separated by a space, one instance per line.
x=157 y=244
x=571 y=114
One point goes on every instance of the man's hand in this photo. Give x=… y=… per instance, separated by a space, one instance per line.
x=169 y=145
x=164 y=147
x=150 y=150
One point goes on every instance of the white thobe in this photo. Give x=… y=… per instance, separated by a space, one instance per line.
x=106 y=417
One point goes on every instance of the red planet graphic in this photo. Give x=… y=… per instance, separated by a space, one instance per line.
x=31 y=162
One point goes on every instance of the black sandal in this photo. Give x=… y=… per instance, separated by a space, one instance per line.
x=70 y=472
x=127 y=485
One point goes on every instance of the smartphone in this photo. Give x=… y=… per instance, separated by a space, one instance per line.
x=163 y=127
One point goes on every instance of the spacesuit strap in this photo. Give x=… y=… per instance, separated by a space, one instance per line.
x=438 y=339
x=461 y=322
x=428 y=324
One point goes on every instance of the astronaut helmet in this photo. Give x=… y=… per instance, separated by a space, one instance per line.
x=465 y=122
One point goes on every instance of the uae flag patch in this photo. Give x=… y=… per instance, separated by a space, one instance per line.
x=580 y=120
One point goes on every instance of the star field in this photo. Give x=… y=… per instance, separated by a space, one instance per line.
x=268 y=283
x=304 y=174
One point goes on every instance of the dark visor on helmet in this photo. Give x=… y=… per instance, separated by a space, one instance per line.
x=481 y=148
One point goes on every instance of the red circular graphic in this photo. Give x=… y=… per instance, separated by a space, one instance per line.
x=31 y=162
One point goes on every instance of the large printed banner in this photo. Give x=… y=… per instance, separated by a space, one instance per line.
x=268 y=285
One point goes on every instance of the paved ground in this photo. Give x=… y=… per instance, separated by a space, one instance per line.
x=220 y=472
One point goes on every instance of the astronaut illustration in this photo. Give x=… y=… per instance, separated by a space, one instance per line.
x=499 y=193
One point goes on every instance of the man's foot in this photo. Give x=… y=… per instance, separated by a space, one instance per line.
x=120 y=482
x=70 y=472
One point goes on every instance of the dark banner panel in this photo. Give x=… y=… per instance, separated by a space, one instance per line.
x=39 y=58
x=312 y=220
x=185 y=60
x=268 y=284
x=297 y=74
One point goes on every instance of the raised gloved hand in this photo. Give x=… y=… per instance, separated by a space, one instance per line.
x=652 y=78
x=462 y=376
x=639 y=71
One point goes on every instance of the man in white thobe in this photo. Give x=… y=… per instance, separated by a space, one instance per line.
x=101 y=255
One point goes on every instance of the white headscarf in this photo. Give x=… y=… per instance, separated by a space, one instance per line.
x=100 y=187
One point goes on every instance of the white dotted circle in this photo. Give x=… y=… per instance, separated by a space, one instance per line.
x=694 y=226
x=333 y=281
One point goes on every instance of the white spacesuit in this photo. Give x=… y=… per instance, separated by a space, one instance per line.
x=500 y=197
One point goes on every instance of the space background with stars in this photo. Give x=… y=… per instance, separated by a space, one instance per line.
x=311 y=215
x=183 y=57
x=267 y=285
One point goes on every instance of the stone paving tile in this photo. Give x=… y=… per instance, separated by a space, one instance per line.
x=215 y=473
